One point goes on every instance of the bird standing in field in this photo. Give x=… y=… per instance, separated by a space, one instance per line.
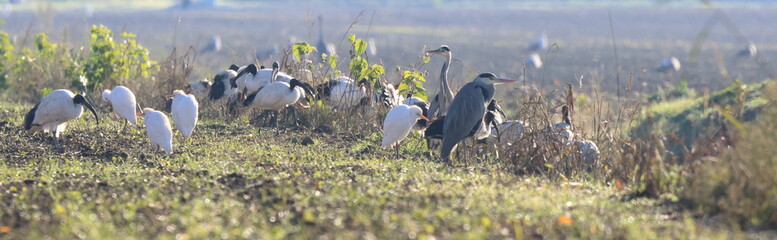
x=277 y=95
x=466 y=113
x=398 y=123
x=222 y=84
x=123 y=102
x=53 y=111
x=441 y=101
x=185 y=110
x=158 y=129
x=564 y=128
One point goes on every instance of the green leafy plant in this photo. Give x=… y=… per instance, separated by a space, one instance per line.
x=413 y=84
x=112 y=62
x=6 y=57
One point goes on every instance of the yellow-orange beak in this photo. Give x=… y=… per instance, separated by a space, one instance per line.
x=139 y=114
x=424 y=118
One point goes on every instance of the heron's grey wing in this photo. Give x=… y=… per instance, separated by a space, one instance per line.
x=433 y=107
x=466 y=111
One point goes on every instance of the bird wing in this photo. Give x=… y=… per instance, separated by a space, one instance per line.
x=158 y=130
x=185 y=113
x=397 y=125
x=464 y=114
x=124 y=103
x=53 y=107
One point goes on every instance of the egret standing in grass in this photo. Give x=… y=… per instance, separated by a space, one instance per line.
x=398 y=123
x=123 y=102
x=466 y=113
x=185 y=110
x=53 y=111
x=158 y=129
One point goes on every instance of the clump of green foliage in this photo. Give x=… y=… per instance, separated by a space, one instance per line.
x=114 y=62
x=741 y=184
x=6 y=56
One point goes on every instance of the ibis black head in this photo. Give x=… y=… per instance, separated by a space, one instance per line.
x=250 y=69
x=276 y=65
x=234 y=67
x=363 y=81
x=80 y=99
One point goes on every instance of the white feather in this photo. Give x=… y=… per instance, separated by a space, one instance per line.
x=398 y=123
x=123 y=102
x=158 y=129
x=185 y=111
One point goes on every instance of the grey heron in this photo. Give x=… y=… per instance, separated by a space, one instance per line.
x=467 y=111
x=441 y=101
x=323 y=46
x=53 y=111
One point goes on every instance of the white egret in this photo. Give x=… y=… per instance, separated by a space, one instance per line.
x=158 y=129
x=398 y=123
x=185 y=111
x=123 y=102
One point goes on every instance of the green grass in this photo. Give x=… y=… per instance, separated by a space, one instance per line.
x=237 y=181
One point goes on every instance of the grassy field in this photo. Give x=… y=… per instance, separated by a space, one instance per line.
x=679 y=159
x=232 y=180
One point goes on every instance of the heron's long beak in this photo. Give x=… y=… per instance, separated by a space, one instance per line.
x=436 y=51
x=504 y=80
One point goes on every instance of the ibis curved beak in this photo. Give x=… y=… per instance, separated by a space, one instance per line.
x=80 y=99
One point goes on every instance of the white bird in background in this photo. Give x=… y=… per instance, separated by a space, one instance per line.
x=199 y=89
x=533 y=60
x=185 y=110
x=398 y=123
x=750 y=51
x=158 y=129
x=277 y=95
x=539 y=45
x=345 y=93
x=507 y=133
x=671 y=64
x=214 y=45
x=123 y=102
x=373 y=50
x=587 y=150
x=53 y=111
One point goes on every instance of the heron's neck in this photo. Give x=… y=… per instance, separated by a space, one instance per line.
x=444 y=75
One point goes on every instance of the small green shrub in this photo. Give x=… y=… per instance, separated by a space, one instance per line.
x=741 y=185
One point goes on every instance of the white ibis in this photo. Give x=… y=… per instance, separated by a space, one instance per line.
x=53 y=111
x=277 y=95
x=222 y=85
x=250 y=78
x=507 y=133
x=158 y=129
x=123 y=102
x=398 y=123
x=185 y=111
x=345 y=93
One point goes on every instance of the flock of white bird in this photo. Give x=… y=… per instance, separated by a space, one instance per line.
x=452 y=117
